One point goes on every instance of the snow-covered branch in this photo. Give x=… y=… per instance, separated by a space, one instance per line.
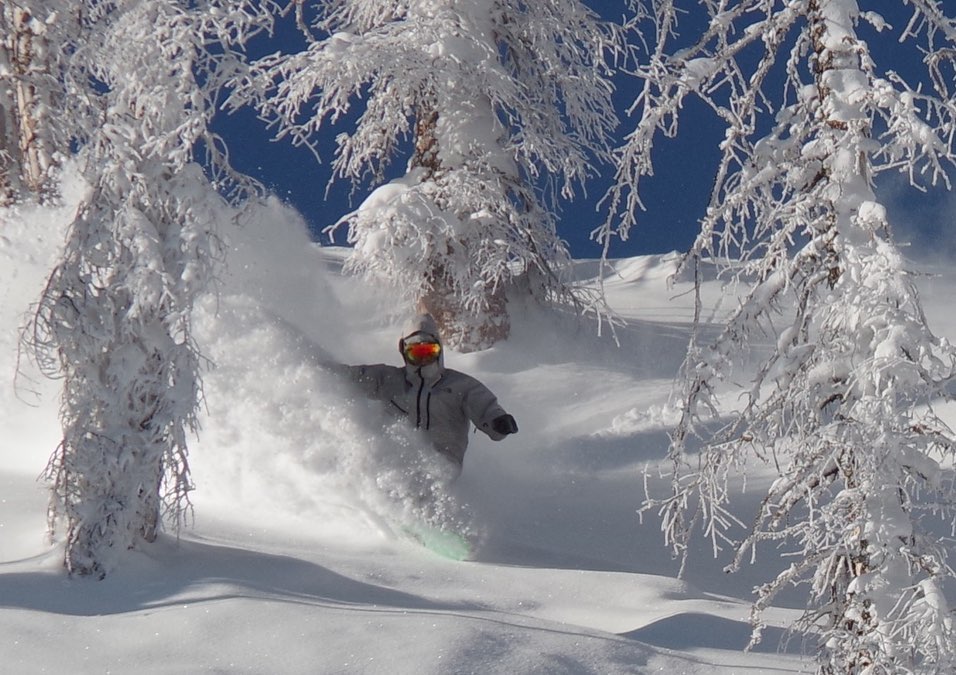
x=841 y=403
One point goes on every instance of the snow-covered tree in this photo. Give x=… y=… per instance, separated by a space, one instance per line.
x=841 y=405
x=26 y=149
x=502 y=105
x=141 y=83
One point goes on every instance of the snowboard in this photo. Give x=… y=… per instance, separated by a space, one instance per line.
x=445 y=543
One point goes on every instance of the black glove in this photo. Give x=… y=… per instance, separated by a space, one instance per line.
x=505 y=424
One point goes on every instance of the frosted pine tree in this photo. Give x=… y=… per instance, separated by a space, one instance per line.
x=501 y=106
x=140 y=86
x=841 y=406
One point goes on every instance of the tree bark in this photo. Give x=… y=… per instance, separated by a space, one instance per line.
x=461 y=327
x=23 y=152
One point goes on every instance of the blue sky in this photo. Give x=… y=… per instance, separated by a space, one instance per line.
x=678 y=192
x=675 y=197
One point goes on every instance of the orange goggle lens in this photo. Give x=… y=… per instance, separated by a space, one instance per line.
x=422 y=352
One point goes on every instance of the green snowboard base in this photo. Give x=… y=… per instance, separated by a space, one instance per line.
x=447 y=544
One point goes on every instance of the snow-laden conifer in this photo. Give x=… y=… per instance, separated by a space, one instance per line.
x=502 y=106
x=140 y=83
x=841 y=406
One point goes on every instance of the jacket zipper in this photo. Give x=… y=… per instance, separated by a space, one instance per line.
x=428 y=402
x=418 y=401
x=428 y=411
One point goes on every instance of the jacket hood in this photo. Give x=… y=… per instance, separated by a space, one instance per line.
x=422 y=323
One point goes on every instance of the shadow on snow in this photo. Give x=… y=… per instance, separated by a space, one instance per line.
x=193 y=572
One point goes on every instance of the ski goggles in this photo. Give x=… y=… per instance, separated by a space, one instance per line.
x=421 y=353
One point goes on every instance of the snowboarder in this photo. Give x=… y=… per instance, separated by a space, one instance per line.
x=439 y=401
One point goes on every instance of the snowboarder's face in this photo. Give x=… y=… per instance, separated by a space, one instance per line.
x=421 y=353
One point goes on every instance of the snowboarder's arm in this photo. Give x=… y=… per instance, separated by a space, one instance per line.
x=486 y=413
x=369 y=378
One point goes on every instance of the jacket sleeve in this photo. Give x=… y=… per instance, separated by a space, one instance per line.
x=481 y=407
x=370 y=379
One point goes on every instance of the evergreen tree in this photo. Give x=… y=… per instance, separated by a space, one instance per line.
x=841 y=406
x=506 y=104
x=140 y=81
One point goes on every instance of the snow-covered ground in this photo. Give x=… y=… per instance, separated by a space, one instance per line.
x=293 y=564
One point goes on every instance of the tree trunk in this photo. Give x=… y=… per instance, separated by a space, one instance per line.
x=850 y=607
x=25 y=158
x=7 y=169
x=466 y=329
x=461 y=329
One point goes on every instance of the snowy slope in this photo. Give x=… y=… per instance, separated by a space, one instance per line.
x=292 y=564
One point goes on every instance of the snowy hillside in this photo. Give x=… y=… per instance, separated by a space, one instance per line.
x=293 y=564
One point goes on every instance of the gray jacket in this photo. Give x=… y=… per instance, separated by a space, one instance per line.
x=439 y=401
